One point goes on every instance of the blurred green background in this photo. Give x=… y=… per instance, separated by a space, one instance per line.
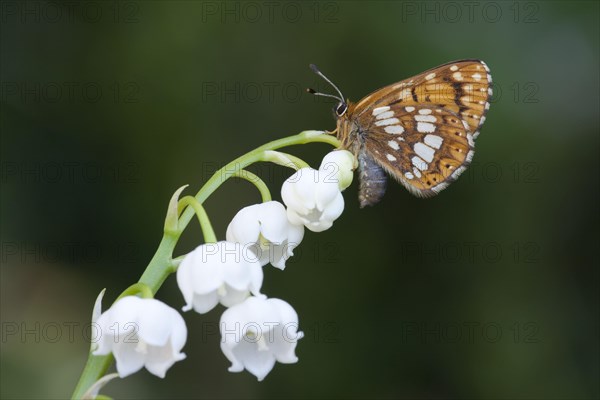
x=489 y=290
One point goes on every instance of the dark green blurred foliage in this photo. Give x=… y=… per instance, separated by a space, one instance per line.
x=489 y=290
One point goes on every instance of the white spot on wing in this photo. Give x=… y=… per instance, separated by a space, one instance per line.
x=433 y=141
x=477 y=76
x=379 y=110
x=404 y=94
x=389 y=121
x=454 y=68
x=393 y=144
x=394 y=129
x=424 y=151
x=425 y=127
x=385 y=115
x=409 y=109
x=424 y=111
x=430 y=76
x=419 y=163
x=390 y=157
x=458 y=76
x=417 y=172
x=425 y=118
x=408 y=175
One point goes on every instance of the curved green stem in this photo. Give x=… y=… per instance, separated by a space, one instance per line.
x=249 y=158
x=262 y=187
x=207 y=230
x=162 y=263
x=284 y=159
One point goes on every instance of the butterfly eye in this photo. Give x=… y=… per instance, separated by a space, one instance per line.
x=341 y=109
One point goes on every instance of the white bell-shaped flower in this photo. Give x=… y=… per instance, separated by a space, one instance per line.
x=313 y=199
x=339 y=165
x=257 y=333
x=266 y=230
x=222 y=272
x=141 y=333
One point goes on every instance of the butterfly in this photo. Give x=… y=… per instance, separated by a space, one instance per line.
x=421 y=130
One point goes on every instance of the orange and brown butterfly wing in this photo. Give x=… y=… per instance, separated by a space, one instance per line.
x=423 y=147
x=463 y=87
x=421 y=130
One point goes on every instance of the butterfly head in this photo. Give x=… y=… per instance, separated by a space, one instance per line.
x=340 y=109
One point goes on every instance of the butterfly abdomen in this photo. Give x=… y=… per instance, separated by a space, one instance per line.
x=373 y=180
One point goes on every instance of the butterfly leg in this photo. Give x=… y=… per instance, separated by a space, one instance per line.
x=373 y=181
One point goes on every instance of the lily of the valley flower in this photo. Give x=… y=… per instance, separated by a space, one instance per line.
x=265 y=229
x=313 y=199
x=257 y=333
x=141 y=333
x=222 y=272
x=339 y=165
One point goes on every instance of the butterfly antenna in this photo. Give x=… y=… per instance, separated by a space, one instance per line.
x=313 y=91
x=314 y=69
